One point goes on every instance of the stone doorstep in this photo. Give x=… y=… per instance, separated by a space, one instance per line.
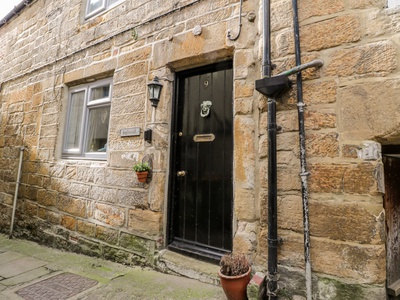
x=175 y=263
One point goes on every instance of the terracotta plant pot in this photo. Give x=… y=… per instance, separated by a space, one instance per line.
x=235 y=287
x=142 y=176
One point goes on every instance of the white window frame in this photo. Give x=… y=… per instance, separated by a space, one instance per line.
x=80 y=152
x=104 y=7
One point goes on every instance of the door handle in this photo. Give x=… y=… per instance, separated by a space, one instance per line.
x=181 y=173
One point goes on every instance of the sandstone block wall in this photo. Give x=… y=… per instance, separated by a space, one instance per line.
x=99 y=208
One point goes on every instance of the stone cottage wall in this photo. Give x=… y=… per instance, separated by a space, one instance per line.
x=99 y=208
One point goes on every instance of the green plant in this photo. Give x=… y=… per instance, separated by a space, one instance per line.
x=234 y=264
x=141 y=167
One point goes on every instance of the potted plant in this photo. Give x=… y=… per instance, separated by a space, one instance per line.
x=234 y=275
x=142 y=171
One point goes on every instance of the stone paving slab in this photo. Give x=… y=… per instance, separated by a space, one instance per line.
x=26 y=277
x=9 y=256
x=19 y=266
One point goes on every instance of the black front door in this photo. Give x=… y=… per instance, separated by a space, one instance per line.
x=392 y=213
x=202 y=160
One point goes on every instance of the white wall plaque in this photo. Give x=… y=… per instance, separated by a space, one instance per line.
x=134 y=131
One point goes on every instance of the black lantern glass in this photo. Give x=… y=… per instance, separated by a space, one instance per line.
x=154 y=91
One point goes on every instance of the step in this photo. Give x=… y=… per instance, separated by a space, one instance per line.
x=175 y=263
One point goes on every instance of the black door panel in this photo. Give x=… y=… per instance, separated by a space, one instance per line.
x=202 y=162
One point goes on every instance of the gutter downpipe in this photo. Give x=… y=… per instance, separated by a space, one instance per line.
x=272 y=276
x=303 y=163
x=21 y=156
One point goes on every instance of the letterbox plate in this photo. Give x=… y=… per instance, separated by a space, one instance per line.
x=201 y=138
x=134 y=131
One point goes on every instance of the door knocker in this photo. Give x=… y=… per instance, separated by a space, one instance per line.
x=205 y=108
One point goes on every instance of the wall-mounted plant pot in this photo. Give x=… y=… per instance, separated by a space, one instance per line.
x=142 y=176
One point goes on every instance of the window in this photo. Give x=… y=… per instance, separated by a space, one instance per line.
x=88 y=115
x=96 y=6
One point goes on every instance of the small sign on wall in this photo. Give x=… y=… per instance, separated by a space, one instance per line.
x=134 y=131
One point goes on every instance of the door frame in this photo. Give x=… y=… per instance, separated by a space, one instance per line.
x=173 y=150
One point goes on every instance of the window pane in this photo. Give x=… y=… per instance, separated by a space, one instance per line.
x=98 y=129
x=111 y=2
x=94 y=5
x=100 y=92
x=75 y=120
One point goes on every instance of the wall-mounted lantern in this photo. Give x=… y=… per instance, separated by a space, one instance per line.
x=154 y=91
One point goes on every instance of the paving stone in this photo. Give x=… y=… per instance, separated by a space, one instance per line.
x=26 y=277
x=8 y=256
x=19 y=266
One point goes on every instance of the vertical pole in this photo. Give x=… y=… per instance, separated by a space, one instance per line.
x=272 y=284
x=21 y=155
x=271 y=280
x=303 y=163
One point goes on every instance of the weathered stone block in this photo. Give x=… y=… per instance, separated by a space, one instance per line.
x=243 y=89
x=100 y=67
x=103 y=194
x=110 y=215
x=243 y=106
x=280 y=18
x=131 y=198
x=358 y=222
x=320 y=92
x=322 y=145
x=344 y=178
x=245 y=238
x=128 y=58
x=188 y=45
x=330 y=33
x=134 y=243
x=47 y=198
x=245 y=206
x=365 y=115
x=78 y=189
x=314 y=8
x=157 y=192
x=68 y=222
x=119 y=178
x=145 y=221
x=244 y=131
x=361 y=263
x=86 y=228
x=107 y=235
x=319 y=119
x=72 y=206
x=363 y=60
x=131 y=71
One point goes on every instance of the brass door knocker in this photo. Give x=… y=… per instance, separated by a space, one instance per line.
x=205 y=108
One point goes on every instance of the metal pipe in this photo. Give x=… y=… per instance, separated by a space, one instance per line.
x=240 y=24
x=271 y=279
x=303 y=163
x=267 y=66
x=21 y=156
x=302 y=67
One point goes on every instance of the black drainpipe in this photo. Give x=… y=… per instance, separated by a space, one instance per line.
x=273 y=87
x=303 y=163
